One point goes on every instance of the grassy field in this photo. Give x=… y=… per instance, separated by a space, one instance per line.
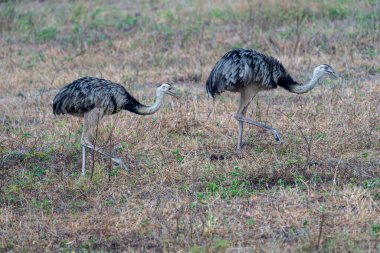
x=319 y=191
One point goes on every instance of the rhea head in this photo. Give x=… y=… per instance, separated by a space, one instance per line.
x=167 y=88
x=325 y=70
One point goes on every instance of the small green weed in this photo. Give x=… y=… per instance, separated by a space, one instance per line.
x=89 y=244
x=216 y=13
x=365 y=154
x=250 y=222
x=109 y=202
x=198 y=249
x=127 y=23
x=337 y=11
x=43 y=205
x=219 y=245
x=375 y=230
x=46 y=34
x=33 y=154
x=281 y=182
x=258 y=149
x=36 y=171
x=179 y=158
x=26 y=135
x=212 y=187
x=320 y=136
x=291 y=162
x=234 y=185
x=373 y=183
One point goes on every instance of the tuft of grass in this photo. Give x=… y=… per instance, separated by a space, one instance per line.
x=46 y=34
x=232 y=186
x=375 y=230
x=373 y=183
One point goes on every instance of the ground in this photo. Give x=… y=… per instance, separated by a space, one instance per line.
x=186 y=191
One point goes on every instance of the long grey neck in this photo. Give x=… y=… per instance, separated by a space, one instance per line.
x=303 y=88
x=146 y=110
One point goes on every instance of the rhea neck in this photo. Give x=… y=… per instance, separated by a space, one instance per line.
x=146 y=110
x=303 y=88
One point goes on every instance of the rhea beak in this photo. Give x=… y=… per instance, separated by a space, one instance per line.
x=334 y=74
x=171 y=93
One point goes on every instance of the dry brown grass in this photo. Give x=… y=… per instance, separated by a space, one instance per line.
x=186 y=191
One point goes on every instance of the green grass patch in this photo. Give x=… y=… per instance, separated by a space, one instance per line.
x=231 y=186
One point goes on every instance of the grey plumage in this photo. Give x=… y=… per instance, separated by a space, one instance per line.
x=92 y=98
x=241 y=67
x=248 y=72
x=86 y=93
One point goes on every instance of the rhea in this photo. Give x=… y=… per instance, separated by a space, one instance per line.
x=93 y=98
x=248 y=72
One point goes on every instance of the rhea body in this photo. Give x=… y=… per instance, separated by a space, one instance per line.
x=92 y=98
x=248 y=72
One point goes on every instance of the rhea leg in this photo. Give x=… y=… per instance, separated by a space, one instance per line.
x=274 y=131
x=91 y=119
x=108 y=154
x=246 y=96
x=83 y=160
x=240 y=135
